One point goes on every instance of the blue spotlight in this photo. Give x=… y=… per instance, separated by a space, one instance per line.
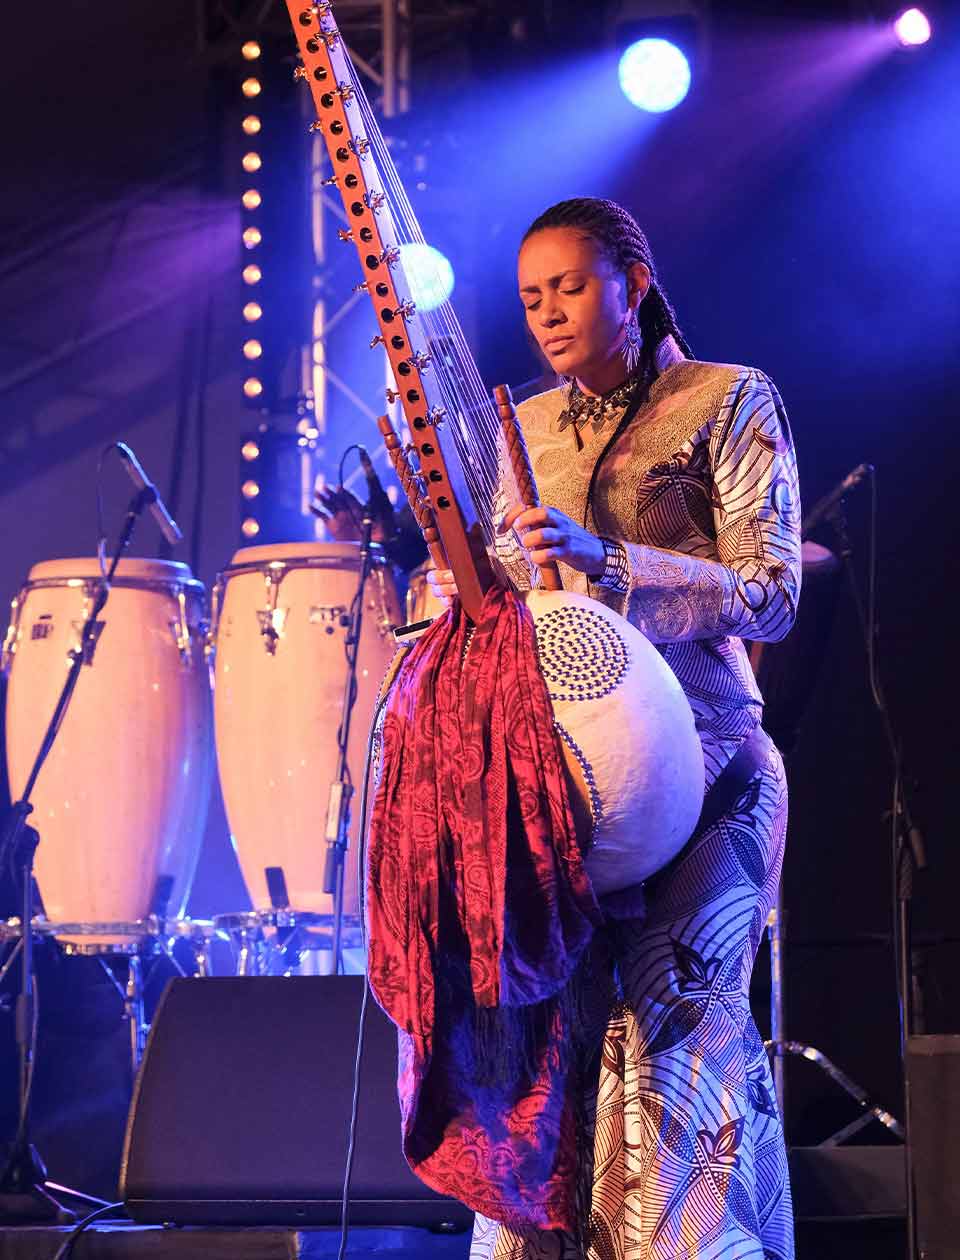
x=428 y=273
x=912 y=28
x=654 y=75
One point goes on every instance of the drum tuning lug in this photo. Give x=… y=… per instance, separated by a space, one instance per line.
x=392 y=395
x=378 y=340
x=181 y=630
x=360 y=146
x=12 y=635
x=272 y=623
x=314 y=127
x=345 y=234
x=419 y=360
x=86 y=648
x=374 y=200
x=436 y=415
x=332 y=181
x=299 y=72
x=362 y=287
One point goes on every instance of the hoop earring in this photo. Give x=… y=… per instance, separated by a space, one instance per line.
x=632 y=343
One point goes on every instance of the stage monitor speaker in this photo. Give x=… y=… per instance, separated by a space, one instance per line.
x=933 y=1073
x=241 y=1110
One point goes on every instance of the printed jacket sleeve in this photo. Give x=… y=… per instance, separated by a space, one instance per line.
x=752 y=588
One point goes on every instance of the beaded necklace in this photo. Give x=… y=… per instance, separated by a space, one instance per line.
x=595 y=409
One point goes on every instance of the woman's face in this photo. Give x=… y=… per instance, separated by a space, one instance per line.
x=576 y=303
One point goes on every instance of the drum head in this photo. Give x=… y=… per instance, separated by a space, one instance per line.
x=817 y=560
x=341 y=554
x=130 y=568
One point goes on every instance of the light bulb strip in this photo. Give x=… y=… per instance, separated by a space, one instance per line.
x=251 y=88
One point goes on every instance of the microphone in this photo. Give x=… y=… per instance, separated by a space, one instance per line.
x=168 y=526
x=829 y=501
x=377 y=497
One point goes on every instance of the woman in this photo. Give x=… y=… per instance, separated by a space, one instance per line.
x=670 y=493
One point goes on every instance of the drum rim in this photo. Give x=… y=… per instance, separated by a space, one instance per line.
x=178 y=570
x=154 y=927
x=378 y=559
x=287 y=916
x=305 y=547
x=77 y=581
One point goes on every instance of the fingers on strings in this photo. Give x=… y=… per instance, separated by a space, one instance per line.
x=521 y=518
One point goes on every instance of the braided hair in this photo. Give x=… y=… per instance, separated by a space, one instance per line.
x=618 y=235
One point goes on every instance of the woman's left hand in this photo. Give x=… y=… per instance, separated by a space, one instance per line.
x=548 y=535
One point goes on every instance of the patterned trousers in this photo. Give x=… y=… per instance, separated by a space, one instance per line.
x=689 y=1161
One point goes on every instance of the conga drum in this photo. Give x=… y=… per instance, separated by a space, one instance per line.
x=421 y=604
x=279 y=631
x=121 y=802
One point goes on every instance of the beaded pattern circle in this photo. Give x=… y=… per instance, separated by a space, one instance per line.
x=596 y=804
x=581 y=655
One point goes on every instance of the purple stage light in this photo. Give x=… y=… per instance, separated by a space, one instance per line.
x=912 y=28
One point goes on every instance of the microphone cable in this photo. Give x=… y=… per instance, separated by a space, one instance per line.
x=361 y=1024
x=65 y=1249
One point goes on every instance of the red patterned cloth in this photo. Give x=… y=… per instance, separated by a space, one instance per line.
x=479 y=908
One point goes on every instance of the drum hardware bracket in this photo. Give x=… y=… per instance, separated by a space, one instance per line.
x=271 y=622
x=180 y=628
x=277 y=887
x=88 y=636
x=272 y=619
x=339 y=802
x=384 y=624
x=10 y=640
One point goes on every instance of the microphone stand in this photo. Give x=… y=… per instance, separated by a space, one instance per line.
x=23 y=1195
x=908 y=857
x=341 y=789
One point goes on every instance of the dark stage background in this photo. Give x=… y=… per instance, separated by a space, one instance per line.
x=802 y=206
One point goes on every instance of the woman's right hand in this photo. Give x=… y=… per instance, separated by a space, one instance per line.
x=442 y=584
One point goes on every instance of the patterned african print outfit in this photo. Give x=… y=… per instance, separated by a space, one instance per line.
x=688 y=1156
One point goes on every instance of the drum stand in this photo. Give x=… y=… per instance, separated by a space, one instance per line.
x=155 y=939
x=23 y=1192
x=341 y=789
x=779 y=1047
x=275 y=942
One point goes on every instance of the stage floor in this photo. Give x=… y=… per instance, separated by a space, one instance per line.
x=849 y=1240
x=848 y=1201
x=154 y=1242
